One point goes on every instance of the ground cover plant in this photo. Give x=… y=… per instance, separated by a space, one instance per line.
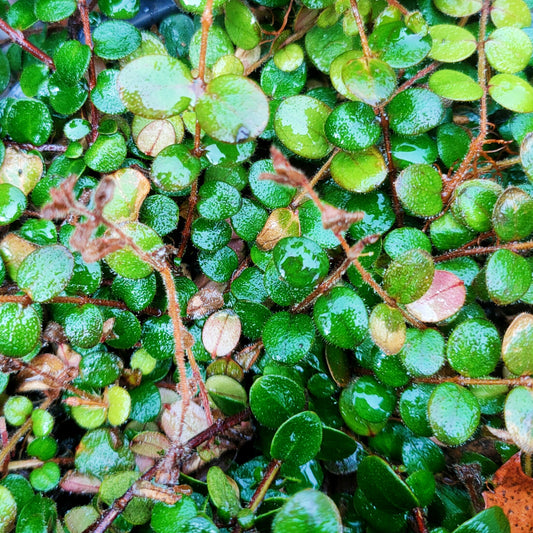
x=266 y=266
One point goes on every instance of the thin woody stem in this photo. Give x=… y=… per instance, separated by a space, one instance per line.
x=186 y=233
x=483 y=250
x=398 y=6
x=523 y=381
x=270 y=475
x=94 y=114
x=18 y=38
x=361 y=29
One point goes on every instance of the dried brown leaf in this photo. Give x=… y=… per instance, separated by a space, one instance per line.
x=103 y=193
x=339 y=220
x=78 y=483
x=286 y=174
x=513 y=492
x=63 y=200
x=99 y=248
x=205 y=302
x=150 y=444
x=146 y=489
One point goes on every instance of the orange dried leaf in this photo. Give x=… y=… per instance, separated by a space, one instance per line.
x=513 y=492
x=339 y=220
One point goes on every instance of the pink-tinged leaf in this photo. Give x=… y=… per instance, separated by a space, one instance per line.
x=78 y=483
x=442 y=300
x=150 y=444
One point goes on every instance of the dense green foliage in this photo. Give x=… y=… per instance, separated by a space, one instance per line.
x=308 y=220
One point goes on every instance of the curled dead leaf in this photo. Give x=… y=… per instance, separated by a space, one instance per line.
x=204 y=302
x=221 y=333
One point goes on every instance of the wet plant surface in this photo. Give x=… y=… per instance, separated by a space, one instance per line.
x=266 y=266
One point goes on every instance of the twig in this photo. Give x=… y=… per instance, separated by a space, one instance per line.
x=419 y=520
x=411 y=81
x=477 y=144
x=186 y=233
x=270 y=474
x=59 y=148
x=221 y=425
x=483 y=250
x=523 y=381
x=94 y=114
x=361 y=29
x=398 y=6
x=18 y=38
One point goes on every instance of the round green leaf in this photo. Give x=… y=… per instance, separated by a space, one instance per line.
x=360 y=171
x=518 y=417
x=409 y=276
x=174 y=169
x=352 y=126
x=299 y=123
x=241 y=25
x=105 y=94
x=423 y=352
x=517 y=345
x=298 y=439
x=512 y=92
x=474 y=348
x=526 y=155
x=45 y=272
x=458 y=8
x=12 y=203
x=125 y=262
x=508 y=50
x=382 y=486
x=268 y=192
x=156 y=86
x=20 y=329
x=232 y=109
x=218 y=200
x=219 y=265
x=453 y=413
x=451 y=43
x=323 y=45
x=512 y=218
x=371 y=80
x=399 y=46
x=71 y=60
x=507 y=275
x=288 y=338
x=455 y=85
x=418 y=188
x=218 y=45
x=308 y=510
x=300 y=261
x=115 y=39
x=452 y=143
x=54 y=10
x=84 y=326
x=107 y=153
x=341 y=317
x=401 y=240
x=8 y=509
x=510 y=13
x=413 y=407
x=273 y=399
x=415 y=111
x=28 y=121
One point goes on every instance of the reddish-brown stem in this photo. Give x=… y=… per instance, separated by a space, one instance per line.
x=361 y=29
x=186 y=233
x=384 y=119
x=299 y=199
x=270 y=475
x=523 y=381
x=18 y=38
x=411 y=81
x=201 y=385
x=398 y=6
x=419 y=520
x=94 y=115
x=221 y=425
x=179 y=352
x=477 y=144
x=29 y=464
x=483 y=250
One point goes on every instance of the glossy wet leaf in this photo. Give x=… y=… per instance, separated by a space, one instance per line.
x=458 y=8
x=341 y=317
x=219 y=265
x=241 y=25
x=273 y=399
x=474 y=348
x=218 y=45
x=455 y=85
x=107 y=153
x=54 y=10
x=352 y=126
x=232 y=109
x=507 y=276
x=491 y=520
x=413 y=407
x=227 y=393
x=21 y=169
x=508 y=50
x=298 y=439
x=218 y=200
x=415 y=111
x=360 y=171
x=222 y=493
x=336 y=445
x=71 y=60
x=156 y=86
x=323 y=45
x=125 y=262
x=115 y=39
x=299 y=123
x=8 y=509
x=512 y=217
x=453 y=413
x=310 y=510
x=412 y=181
x=28 y=121
x=174 y=169
x=288 y=338
x=382 y=486
x=398 y=45
x=512 y=92
x=517 y=345
x=451 y=44
x=372 y=81
x=518 y=419
x=401 y=240
x=12 y=203
x=268 y=192
x=510 y=13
